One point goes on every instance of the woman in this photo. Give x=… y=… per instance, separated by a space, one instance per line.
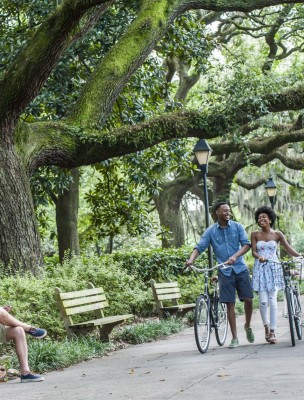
x=267 y=279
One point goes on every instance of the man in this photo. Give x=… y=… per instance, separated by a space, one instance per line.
x=12 y=329
x=229 y=242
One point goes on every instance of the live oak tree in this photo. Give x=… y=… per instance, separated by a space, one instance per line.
x=248 y=146
x=79 y=137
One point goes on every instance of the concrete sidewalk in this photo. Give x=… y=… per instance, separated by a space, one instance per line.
x=174 y=369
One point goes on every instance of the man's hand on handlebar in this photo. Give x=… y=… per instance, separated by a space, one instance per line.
x=188 y=264
x=231 y=260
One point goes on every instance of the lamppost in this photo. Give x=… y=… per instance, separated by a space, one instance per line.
x=202 y=152
x=271 y=190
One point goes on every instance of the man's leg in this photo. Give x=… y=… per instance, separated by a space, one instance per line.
x=8 y=320
x=227 y=296
x=232 y=319
x=17 y=334
x=244 y=290
x=248 y=312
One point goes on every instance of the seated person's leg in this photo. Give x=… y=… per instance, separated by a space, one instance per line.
x=8 y=320
x=17 y=334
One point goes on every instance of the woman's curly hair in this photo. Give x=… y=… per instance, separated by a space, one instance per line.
x=266 y=210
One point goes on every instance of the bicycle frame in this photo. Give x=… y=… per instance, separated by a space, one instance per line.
x=210 y=314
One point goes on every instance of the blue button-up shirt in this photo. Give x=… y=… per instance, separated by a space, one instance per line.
x=225 y=243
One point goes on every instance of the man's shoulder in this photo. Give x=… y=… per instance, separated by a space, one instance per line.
x=235 y=223
x=213 y=226
x=211 y=229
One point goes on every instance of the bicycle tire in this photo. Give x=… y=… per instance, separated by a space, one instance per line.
x=290 y=315
x=221 y=323
x=297 y=313
x=202 y=326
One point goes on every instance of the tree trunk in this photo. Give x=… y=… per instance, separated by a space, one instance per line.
x=168 y=207
x=67 y=218
x=17 y=215
x=221 y=188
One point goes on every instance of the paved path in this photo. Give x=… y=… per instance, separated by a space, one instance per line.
x=174 y=369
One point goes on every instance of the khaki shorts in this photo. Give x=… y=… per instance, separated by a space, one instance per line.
x=2 y=334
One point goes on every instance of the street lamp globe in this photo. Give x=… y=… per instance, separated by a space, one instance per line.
x=202 y=152
x=271 y=188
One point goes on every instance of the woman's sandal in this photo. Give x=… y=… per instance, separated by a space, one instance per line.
x=267 y=333
x=272 y=339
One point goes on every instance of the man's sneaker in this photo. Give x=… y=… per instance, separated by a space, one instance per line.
x=37 y=333
x=249 y=334
x=31 y=378
x=234 y=343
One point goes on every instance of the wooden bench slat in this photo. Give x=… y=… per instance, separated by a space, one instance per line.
x=167 y=290
x=84 y=300
x=169 y=296
x=165 y=284
x=180 y=306
x=105 y=320
x=86 y=308
x=81 y=293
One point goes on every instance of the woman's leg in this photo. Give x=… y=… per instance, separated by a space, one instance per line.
x=273 y=305
x=263 y=296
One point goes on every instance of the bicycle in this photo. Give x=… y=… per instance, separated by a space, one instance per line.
x=292 y=296
x=209 y=314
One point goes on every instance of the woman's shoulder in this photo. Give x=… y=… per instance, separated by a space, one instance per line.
x=279 y=234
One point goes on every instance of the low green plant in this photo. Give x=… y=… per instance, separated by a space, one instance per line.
x=48 y=355
x=149 y=331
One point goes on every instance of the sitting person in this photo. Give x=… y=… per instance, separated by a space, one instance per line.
x=12 y=329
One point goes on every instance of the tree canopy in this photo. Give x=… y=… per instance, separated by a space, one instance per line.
x=74 y=126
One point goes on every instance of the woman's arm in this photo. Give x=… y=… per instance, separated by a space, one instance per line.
x=286 y=245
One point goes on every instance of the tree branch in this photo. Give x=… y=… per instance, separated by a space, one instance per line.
x=291 y=183
x=27 y=74
x=250 y=185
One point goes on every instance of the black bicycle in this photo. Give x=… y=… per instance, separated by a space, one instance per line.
x=292 y=295
x=209 y=313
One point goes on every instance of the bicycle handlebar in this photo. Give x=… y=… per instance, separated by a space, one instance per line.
x=221 y=265
x=288 y=262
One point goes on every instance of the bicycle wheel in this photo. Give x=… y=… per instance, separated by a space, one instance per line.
x=221 y=323
x=202 y=323
x=290 y=314
x=297 y=313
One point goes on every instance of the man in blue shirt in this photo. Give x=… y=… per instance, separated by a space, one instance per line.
x=229 y=242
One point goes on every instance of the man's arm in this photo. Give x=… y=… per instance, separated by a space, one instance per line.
x=243 y=250
x=192 y=258
x=200 y=247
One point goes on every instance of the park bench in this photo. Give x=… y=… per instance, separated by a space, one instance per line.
x=166 y=295
x=93 y=301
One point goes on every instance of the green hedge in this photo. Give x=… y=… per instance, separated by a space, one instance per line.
x=124 y=276
x=159 y=264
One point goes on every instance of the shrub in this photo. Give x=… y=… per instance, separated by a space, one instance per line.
x=124 y=277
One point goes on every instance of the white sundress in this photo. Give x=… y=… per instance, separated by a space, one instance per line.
x=267 y=277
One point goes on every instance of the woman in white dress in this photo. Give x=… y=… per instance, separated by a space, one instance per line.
x=267 y=279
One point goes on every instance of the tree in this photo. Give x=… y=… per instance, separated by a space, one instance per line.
x=80 y=137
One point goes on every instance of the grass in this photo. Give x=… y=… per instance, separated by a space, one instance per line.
x=47 y=355
x=149 y=331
